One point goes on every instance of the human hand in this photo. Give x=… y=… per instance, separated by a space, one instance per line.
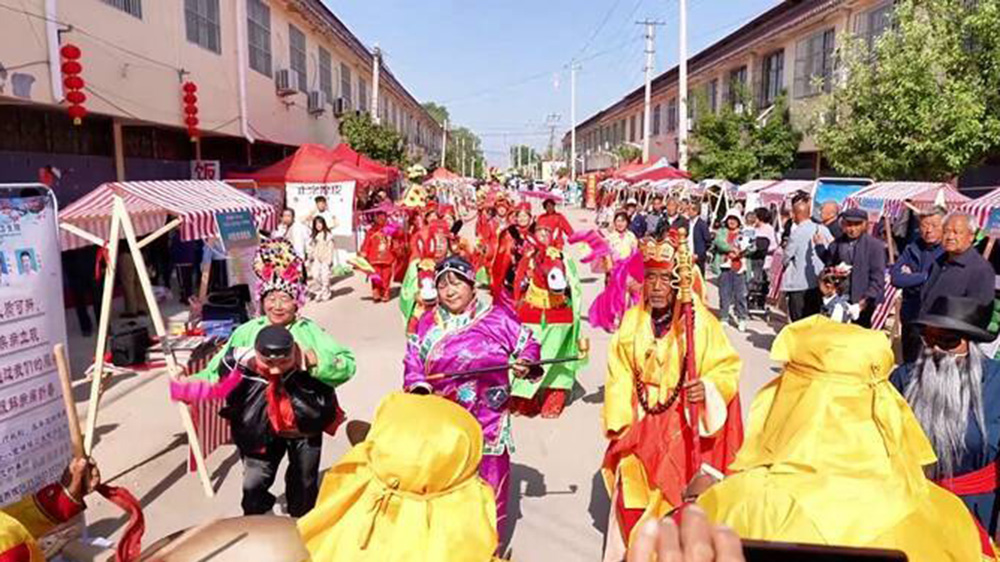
x=521 y=368
x=906 y=269
x=695 y=391
x=698 y=486
x=80 y=478
x=696 y=539
x=308 y=359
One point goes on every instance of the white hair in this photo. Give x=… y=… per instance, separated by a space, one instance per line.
x=970 y=220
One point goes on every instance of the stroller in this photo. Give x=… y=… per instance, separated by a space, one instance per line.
x=758 y=287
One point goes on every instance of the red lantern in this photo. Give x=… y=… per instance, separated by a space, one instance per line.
x=190 y=108
x=73 y=82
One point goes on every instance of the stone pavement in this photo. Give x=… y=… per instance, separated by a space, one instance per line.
x=559 y=507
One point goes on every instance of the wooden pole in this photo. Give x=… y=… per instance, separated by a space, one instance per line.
x=65 y=381
x=888 y=239
x=161 y=331
x=102 y=334
x=150 y=238
x=989 y=248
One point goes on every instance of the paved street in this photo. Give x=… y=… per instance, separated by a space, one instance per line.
x=559 y=507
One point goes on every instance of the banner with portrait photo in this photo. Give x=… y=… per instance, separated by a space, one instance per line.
x=33 y=430
x=306 y=199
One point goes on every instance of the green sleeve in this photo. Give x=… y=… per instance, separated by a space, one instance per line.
x=721 y=244
x=241 y=337
x=335 y=362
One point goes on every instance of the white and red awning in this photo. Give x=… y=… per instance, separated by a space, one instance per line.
x=981 y=208
x=776 y=193
x=150 y=203
x=891 y=196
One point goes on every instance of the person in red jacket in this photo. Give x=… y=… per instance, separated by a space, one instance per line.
x=378 y=250
x=514 y=243
x=556 y=222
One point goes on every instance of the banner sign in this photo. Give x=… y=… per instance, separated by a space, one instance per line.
x=992 y=227
x=206 y=170
x=338 y=210
x=237 y=229
x=837 y=190
x=34 y=436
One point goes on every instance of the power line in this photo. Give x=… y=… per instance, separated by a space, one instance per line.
x=600 y=26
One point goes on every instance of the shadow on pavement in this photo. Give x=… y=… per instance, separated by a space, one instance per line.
x=526 y=482
x=108 y=526
x=760 y=340
x=220 y=474
x=178 y=440
x=102 y=430
x=596 y=397
x=600 y=504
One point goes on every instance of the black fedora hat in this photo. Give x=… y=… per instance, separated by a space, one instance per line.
x=965 y=316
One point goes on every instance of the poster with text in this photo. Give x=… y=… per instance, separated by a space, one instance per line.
x=307 y=200
x=34 y=438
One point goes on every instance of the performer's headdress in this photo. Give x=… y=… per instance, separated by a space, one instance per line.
x=457 y=265
x=658 y=254
x=278 y=268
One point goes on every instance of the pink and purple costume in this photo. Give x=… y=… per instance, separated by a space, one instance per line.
x=483 y=336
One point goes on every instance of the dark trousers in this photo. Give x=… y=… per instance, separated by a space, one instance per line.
x=732 y=292
x=865 y=318
x=802 y=304
x=187 y=280
x=301 y=478
x=912 y=342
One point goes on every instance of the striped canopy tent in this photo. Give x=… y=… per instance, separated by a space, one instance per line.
x=889 y=198
x=753 y=186
x=983 y=207
x=777 y=193
x=149 y=204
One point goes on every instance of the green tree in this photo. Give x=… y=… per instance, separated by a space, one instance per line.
x=923 y=102
x=525 y=157
x=438 y=112
x=463 y=146
x=628 y=153
x=740 y=143
x=375 y=141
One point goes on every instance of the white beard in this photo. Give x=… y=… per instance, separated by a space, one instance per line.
x=944 y=390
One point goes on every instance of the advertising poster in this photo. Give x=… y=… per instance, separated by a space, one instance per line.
x=34 y=437
x=873 y=206
x=837 y=190
x=992 y=227
x=307 y=200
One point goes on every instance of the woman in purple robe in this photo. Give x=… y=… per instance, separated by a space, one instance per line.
x=465 y=331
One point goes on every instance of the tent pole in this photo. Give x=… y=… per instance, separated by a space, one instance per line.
x=102 y=334
x=161 y=331
x=150 y=238
x=89 y=237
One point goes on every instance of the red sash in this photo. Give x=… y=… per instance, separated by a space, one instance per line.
x=980 y=481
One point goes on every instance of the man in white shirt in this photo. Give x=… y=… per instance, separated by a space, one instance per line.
x=322 y=210
x=295 y=232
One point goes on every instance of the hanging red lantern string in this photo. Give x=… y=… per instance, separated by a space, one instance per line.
x=73 y=82
x=190 y=99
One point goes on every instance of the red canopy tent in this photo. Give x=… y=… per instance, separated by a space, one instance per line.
x=660 y=174
x=629 y=168
x=310 y=163
x=347 y=154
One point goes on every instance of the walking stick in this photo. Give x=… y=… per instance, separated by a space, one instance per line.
x=685 y=281
x=583 y=345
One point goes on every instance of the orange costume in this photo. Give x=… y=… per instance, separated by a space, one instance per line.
x=378 y=250
x=557 y=223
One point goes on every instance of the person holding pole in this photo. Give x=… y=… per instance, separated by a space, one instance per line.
x=669 y=363
x=305 y=356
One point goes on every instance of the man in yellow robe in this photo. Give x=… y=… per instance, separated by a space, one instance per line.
x=834 y=456
x=650 y=467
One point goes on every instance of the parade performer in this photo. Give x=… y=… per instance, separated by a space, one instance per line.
x=378 y=250
x=834 y=456
x=418 y=468
x=670 y=367
x=418 y=293
x=514 y=243
x=260 y=374
x=954 y=390
x=548 y=297
x=466 y=332
x=555 y=221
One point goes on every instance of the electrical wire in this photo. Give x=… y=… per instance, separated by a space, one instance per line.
x=600 y=26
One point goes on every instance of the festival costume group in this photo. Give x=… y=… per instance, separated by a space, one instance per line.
x=832 y=454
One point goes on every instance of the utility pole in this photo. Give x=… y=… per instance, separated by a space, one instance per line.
x=572 y=126
x=552 y=120
x=376 y=70
x=461 y=154
x=650 y=51
x=444 y=145
x=682 y=120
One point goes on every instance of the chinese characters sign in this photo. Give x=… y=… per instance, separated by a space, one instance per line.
x=334 y=202
x=205 y=170
x=34 y=438
x=237 y=229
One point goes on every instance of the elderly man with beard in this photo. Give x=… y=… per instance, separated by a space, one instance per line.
x=954 y=390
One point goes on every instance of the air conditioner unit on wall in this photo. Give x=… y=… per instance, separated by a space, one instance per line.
x=317 y=102
x=286 y=82
x=339 y=106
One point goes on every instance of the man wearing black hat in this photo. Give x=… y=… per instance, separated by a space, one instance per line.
x=954 y=391
x=866 y=256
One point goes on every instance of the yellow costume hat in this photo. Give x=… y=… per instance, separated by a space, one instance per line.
x=409 y=492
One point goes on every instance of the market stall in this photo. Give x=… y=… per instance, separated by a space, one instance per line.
x=200 y=210
x=890 y=199
x=777 y=193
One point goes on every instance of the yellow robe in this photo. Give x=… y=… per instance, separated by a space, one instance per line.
x=635 y=349
x=20 y=523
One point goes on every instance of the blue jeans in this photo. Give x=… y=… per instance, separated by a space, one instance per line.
x=732 y=293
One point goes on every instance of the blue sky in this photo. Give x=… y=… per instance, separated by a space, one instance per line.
x=501 y=66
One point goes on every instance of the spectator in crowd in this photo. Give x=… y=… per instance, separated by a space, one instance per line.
x=186 y=256
x=910 y=273
x=83 y=278
x=730 y=264
x=673 y=218
x=802 y=265
x=655 y=215
x=834 y=284
x=293 y=231
x=637 y=220
x=701 y=235
x=829 y=216
x=760 y=237
x=556 y=221
x=960 y=271
x=866 y=256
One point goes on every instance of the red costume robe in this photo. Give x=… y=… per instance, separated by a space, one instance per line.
x=378 y=250
x=557 y=223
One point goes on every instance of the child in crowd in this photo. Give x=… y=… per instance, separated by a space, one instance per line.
x=833 y=286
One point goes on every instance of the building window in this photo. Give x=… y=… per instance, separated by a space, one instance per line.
x=130 y=7
x=772 y=77
x=736 y=85
x=814 y=64
x=656 y=120
x=325 y=73
x=345 y=85
x=712 y=90
x=672 y=115
x=202 y=21
x=872 y=24
x=259 y=36
x=631 y=129
x=362 y=95
x=297 y=54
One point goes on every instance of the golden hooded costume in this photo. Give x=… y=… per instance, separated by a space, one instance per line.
x=409 y=492
x=833 y=456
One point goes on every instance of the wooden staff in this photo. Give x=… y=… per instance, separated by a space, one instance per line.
x=583 y=345
x=685 y=278
x=65 y=380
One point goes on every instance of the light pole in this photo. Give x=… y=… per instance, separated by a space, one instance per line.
x=683 y=94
